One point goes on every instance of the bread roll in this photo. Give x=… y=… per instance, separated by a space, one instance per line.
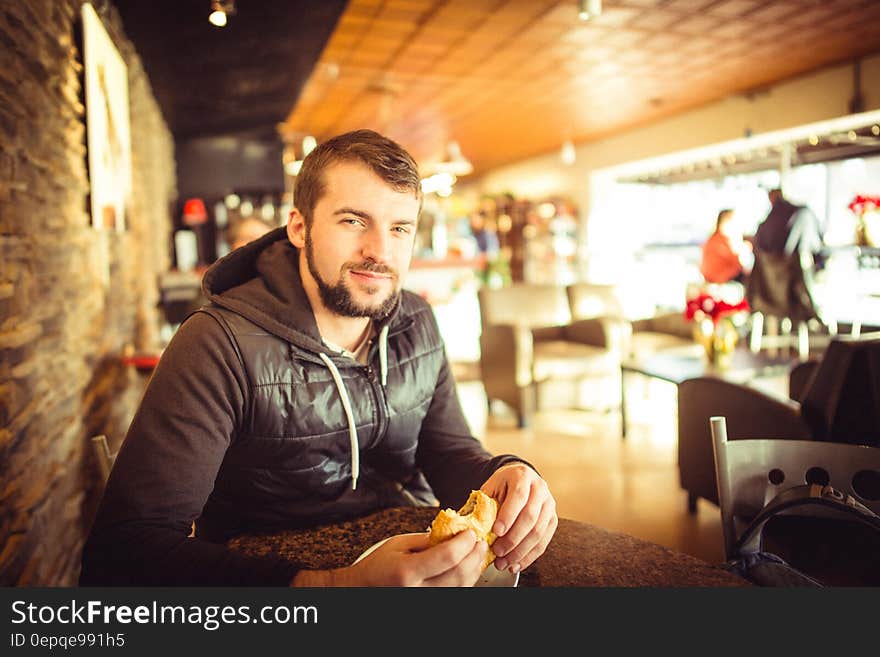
x=478 y=514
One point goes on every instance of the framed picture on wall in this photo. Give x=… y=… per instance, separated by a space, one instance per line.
x=108 y=127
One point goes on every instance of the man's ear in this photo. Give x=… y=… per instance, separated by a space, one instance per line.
x=296 y=229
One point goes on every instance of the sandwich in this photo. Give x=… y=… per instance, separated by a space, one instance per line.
x=478 y=514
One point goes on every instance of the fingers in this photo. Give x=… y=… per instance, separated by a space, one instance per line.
x=446 y=555
x=466 y=572
x=518 y=564
x=535 y=541
x=519 y=512
x=531 y=532
x=511 y=509
x=409 y=560
x=526 y=518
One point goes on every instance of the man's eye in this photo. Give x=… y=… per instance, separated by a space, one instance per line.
x=352 y=221
x=404 y=230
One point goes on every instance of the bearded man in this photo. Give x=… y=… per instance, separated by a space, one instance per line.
x=312 y=388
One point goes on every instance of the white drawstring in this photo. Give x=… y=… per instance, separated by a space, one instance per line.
x=352 y=431
x=383 y=355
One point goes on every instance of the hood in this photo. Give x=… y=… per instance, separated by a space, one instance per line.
x=261 y=282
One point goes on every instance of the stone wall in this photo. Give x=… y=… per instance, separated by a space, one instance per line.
x=64 y=324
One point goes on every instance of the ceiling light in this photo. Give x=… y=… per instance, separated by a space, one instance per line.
x=567 y=154
x=588 y=9
x=547 y=210
x=438 y=183
x=308 y=144
x=220 y=11
x=455 y=163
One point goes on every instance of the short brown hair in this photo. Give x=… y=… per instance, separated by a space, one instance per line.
x=387 y=159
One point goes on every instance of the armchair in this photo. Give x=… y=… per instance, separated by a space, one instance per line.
x=529 y=345
x=645 y=336
x=837 y=400
x=663 y=331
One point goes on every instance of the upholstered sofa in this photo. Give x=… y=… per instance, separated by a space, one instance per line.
x=645 y=335
x=533 y=354
x=663 y=331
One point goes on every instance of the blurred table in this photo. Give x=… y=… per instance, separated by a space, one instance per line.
x=679 y=364
x=579 y=555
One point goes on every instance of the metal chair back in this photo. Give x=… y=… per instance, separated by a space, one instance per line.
x=751 y=472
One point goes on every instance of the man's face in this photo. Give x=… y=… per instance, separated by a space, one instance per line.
x=360 y=243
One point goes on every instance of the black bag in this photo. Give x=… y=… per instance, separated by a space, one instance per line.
x=810 y=535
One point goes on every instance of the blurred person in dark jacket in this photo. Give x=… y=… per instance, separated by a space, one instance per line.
x=789 y=228
x=312 y=389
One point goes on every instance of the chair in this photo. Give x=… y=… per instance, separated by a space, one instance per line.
x=529 y=345
x=588 y=300
x=106 y=458
x=751 y=472
x=104 y=455
x=836 y=399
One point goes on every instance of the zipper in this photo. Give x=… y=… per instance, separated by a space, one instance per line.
x=381 y=401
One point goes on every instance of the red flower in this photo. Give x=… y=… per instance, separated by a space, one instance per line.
x=705 y=305
x=862 y=204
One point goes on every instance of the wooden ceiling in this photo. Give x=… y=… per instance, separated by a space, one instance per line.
x=510 y=79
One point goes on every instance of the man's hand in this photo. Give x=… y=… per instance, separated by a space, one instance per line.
x=526 y=518
x=407 y=560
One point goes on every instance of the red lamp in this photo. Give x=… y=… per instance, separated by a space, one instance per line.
x=194 y=212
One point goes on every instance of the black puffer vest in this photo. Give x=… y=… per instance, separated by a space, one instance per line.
x=294 y=459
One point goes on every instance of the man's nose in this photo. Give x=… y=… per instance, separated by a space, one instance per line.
x=376 y=245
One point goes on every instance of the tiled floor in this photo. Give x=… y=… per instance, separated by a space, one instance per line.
x=626 y=485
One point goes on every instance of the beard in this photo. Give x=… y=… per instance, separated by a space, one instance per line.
x=338 y=297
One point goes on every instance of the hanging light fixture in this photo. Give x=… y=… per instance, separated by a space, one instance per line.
x=455 y=163
x=567 y=154
x=220 y=11
x=308 y=144
x=588 y=9
x=442 y=175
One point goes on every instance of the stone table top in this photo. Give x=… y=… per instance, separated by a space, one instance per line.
x=580 y=554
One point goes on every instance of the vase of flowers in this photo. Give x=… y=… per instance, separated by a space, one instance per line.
x=714 y=327
x=867 y=211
